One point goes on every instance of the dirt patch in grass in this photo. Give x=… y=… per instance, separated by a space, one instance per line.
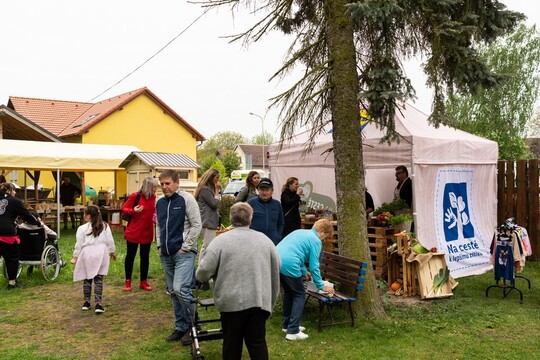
x=407 y=300
x=54 y=323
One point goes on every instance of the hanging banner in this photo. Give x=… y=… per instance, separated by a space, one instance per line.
x=458 y=230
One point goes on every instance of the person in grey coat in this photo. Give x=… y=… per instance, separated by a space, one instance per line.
x=207 y=196
x=244 y=265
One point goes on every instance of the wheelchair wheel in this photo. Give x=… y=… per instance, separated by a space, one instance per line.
x=50 y=263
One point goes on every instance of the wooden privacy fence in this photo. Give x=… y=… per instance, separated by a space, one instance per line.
x=518 y=197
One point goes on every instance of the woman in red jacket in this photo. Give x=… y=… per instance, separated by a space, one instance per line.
x=140 y=206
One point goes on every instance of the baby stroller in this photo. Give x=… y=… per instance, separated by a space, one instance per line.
x=36 y=250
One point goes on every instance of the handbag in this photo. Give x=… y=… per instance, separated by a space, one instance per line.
x=126 y=217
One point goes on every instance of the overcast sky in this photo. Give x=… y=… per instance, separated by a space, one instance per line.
x=75 y=50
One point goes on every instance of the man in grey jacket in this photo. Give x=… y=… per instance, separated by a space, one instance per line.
x=178 y=227
x=245 y=266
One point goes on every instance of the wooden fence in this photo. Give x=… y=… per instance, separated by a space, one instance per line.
x=518 y=197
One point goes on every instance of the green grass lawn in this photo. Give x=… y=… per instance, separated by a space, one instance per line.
x=44 y=321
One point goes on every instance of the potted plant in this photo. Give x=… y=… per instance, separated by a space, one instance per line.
x=402 y=221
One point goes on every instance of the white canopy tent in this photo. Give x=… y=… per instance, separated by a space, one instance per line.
x=454 y=182
x=55 y=156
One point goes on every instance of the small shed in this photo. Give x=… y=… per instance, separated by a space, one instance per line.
x=140 y=164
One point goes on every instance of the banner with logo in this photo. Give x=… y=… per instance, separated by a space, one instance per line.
x=463 y=219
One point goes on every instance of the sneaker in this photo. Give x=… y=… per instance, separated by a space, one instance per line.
x=176 y=335
x=186 y=339
x=86 y=306
x=301 y=328
x=299 y=336
x=99 y=309
x=15 y=286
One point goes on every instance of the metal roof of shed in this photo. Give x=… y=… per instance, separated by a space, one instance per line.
x=161 y=160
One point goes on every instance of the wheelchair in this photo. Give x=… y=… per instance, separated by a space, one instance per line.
x=37 y=251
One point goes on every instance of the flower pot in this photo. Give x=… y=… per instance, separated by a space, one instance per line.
x=404 y=226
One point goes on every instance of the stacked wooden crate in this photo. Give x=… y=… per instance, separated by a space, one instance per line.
x=331 y=244
x=379 y=239
x=400 y=269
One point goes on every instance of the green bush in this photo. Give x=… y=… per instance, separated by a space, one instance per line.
x=224 y=207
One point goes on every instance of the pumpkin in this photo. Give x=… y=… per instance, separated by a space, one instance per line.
x=395 y=286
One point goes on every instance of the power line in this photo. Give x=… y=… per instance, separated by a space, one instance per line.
x=151 y=57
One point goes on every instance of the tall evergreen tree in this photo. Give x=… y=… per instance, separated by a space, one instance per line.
x=352 y=56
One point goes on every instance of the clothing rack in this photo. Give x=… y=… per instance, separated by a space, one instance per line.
x=508 y=253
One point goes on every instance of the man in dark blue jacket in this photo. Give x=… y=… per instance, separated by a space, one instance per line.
x=178 y=227
x=267 y=212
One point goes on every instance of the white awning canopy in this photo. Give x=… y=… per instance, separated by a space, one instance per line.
x=37 y=155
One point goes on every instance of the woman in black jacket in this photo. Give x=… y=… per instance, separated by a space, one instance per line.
x=290 y=203
x=10 y=208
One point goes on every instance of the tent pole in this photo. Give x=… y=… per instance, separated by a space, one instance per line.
x=58 y=201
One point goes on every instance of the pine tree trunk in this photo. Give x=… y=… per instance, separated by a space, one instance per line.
x=347 y=142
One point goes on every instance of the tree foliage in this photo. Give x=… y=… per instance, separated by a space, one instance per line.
x=502 y=114
x=206 y=163
x=220 y=143
x=352 y=54
x=533 y=125
x=231 y=161
x=263 y=139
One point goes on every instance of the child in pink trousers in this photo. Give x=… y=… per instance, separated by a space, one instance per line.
x=94 y=246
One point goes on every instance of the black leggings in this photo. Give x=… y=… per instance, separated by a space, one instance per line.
x=10 y=253
x=130 y=259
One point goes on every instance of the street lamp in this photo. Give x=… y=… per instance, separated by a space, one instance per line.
x=262 y=126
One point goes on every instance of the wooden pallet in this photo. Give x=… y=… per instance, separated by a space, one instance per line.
x=379 y=239
x=332 y=245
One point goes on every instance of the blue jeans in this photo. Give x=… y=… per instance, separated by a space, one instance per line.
x=178 y=270
x=294 y=296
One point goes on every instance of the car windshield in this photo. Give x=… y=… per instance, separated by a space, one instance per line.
x=234 y=187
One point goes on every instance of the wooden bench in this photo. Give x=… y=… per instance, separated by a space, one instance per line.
x=348 y=276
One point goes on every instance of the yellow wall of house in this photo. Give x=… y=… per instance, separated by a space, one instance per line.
x=144 y=124
x=141 y=123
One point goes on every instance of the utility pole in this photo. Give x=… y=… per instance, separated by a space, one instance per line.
x=262 y=126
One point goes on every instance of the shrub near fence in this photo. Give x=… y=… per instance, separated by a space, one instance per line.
x=518 y=197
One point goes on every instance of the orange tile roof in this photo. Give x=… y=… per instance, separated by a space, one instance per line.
x=67 y=118
x=52 y=115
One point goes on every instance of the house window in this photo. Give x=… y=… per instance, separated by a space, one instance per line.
x=183 y=174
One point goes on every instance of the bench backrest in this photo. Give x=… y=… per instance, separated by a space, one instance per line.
x=32 y=243
x=349 y=273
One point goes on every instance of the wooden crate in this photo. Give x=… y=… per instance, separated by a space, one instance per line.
x=400 y=269
x=332 y=245
x=427 y=272
x=379 y=239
